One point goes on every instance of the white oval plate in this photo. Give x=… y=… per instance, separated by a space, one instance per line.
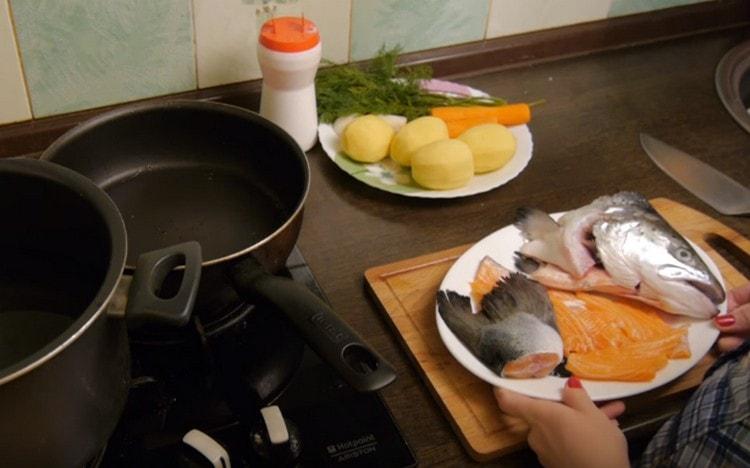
x=389 y=176
x=500 y=245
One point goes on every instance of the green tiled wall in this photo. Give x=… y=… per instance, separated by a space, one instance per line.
x=60 y=56
x=416 y=25
x=79 y=54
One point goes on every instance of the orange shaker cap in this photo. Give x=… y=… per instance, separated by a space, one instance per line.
x=289 y=34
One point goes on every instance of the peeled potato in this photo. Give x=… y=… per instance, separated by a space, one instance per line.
x=414 y=135
x=443 y=165
x=367 y=138
x=492 y=145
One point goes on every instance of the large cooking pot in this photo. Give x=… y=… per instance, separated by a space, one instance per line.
x=235 y=183
x=64 y=360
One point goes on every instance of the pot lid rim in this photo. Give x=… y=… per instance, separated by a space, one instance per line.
x=213 y=106
x=115 y=226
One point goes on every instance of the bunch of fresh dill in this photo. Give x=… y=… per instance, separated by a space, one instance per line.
x=381 y=88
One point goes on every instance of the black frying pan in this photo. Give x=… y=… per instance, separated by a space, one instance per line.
x=234 y=182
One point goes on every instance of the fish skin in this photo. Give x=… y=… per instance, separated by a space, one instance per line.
x=561 y=243
x=643 y=255
x=515 y=326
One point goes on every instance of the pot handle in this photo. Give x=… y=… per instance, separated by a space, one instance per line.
x=324 y=331
x=144 y=306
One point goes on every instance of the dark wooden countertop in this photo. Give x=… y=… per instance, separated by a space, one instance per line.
x=585 y=144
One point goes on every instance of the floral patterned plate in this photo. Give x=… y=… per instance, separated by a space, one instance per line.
x=391 y=177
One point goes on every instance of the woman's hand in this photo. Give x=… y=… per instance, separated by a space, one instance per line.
x=574 y=433
x=735 y=325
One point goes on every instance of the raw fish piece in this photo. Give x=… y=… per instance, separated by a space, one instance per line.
x=623 y=239
x=488 y=274
x=514 y=334
x=612 y=338
x=636 y=362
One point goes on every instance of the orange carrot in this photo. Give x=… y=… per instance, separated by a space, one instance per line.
x=463 y=112
x=509 y=114
x=458 y=126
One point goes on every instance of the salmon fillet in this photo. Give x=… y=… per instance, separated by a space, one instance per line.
x=612 y=338
x=488 y=274
x=612 y=364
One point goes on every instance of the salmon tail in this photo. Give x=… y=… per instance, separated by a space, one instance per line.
x=455 y=310
x=534 y=223
x=518 y=293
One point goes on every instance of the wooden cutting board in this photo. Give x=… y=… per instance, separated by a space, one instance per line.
x=406 y=291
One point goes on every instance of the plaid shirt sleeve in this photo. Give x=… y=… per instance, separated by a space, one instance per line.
x=713 y=429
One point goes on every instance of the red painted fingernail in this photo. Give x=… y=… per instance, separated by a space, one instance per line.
x=724 y=320
x=574 y=382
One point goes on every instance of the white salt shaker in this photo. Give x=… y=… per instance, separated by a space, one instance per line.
x=289 y=53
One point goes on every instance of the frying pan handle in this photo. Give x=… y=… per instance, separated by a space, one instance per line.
x=144 y=306
x=328 y=335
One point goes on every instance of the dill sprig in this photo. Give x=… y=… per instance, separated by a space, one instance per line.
x=382 y=88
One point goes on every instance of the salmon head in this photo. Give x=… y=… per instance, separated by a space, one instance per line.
x=643 y=253
x=627 y=249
